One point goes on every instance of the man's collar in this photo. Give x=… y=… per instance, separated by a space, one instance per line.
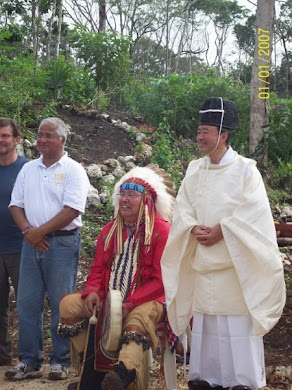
x=60 y=161
x=228 y=156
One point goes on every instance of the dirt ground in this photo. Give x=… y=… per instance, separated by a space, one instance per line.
x=93 y=141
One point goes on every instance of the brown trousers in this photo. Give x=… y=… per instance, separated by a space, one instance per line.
x=143 y=319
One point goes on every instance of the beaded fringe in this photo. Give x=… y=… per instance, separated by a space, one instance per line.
x=142 y=373
x=75 y=359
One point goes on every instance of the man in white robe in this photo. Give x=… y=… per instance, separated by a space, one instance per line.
x=221 y=264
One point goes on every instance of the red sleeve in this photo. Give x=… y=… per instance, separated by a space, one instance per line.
x=150 y=285
x=96 y=280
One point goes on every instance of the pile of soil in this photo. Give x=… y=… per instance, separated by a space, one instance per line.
x=93 y=141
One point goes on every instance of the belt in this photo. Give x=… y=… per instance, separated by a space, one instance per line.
x=58 y=233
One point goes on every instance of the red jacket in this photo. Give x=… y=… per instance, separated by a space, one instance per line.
x=150 y=286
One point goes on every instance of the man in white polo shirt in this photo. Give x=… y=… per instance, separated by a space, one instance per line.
x=47 y=201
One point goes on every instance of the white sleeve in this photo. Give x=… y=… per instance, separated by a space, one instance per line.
x=76 y=188
x=17 y=195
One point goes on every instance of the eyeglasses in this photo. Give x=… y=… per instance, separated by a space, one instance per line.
x=129 y=195
x=6 y=136
x=47 y=136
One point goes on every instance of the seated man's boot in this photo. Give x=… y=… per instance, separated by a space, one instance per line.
x=119 y=379
x=198 y=384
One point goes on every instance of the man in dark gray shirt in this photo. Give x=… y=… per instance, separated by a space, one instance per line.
x=10 y=235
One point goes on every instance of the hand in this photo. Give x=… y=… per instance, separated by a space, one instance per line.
x=200 y=230
x=207 y=236
x=42 y=246
x=90 y=301
x=35 y=238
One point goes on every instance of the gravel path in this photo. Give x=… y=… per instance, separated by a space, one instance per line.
x=281 y=377
x=36 y=384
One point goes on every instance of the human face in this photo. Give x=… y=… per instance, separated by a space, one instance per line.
x=129 y=205
x=49 y=143
x=8 y=142
x=207 y=139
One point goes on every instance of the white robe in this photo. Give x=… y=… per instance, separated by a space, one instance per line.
x=241 y=274
x=225 y=351
x=235 y=288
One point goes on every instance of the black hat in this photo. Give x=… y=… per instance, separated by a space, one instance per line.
x=211 y=113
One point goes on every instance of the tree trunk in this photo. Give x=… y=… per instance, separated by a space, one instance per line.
x=60 y=18
x=260 y=83
x=183 y=35
x=50 y=30
x=34 y=29
x=102 y=15
x=167 y=40
x=288 y=67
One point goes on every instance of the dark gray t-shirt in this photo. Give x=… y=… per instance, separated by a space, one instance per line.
x=10 y=235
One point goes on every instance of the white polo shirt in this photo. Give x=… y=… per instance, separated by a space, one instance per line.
x=43 y=192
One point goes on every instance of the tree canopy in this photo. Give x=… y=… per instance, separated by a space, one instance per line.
x=156 y=59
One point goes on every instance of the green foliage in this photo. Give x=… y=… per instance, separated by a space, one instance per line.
x=283 y=24
x=162 y=149
x=280 y=131
x=283 y=29
x=45 y=111
x=107 y=208
x=80 y=87
x=10 y=40
x=101 y=101
x=13 y=33
x=277 y=196
x=13 y=7
x=281 y=177
x=133 y=91
x=245 y=35
x=20 y=86
x=90 y=230
x=139 y=147
x=170 y=103
x=222 y=12
x=59 y=73
x=283 y=76
x=170 y=153
x=149 y=56
x=241 y=71
x=106 y=54
x=178 y=98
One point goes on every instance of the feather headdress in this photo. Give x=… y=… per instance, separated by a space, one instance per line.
x=158 y=197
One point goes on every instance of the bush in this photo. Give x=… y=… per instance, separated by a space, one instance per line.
x=179 y=98
x=105 y=54
x=171 y=153
x=280 y=131
x=162 y=154
x=21 y=85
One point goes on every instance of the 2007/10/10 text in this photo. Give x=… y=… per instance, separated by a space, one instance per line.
x=263 y=46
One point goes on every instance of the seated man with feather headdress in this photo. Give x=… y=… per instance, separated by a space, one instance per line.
x=127 y=259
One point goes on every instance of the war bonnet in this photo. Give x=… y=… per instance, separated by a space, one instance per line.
x=158 y=194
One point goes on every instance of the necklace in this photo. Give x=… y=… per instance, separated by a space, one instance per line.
x=129 y=224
